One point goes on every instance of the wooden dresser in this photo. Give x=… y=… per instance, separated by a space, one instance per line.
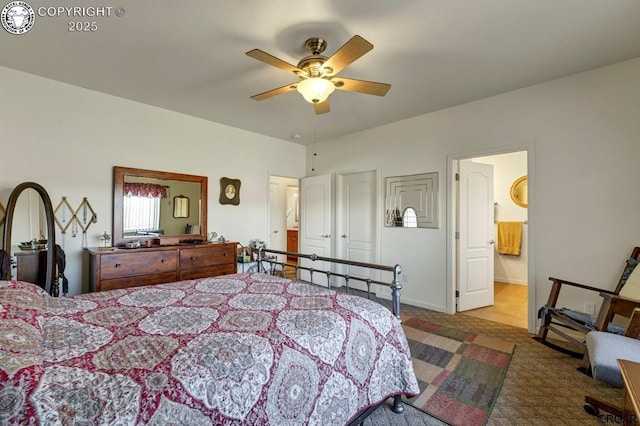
x=122 y=268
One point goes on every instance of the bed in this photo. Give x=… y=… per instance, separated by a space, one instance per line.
x=248 y=348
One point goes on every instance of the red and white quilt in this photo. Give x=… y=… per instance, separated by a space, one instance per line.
x=236 y=349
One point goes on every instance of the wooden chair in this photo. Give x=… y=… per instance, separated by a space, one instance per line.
x=603 y=351
x=620 y=301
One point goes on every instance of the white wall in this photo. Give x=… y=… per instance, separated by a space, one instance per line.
x=583 y=136
x=506 y=169
x=68 y=139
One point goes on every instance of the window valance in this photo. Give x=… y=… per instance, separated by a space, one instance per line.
x=139 y=189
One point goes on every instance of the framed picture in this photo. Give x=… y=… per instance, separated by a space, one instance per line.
x=229 y=191
x=180 y=206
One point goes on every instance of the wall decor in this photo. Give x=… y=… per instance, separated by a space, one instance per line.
x=229 y=191
x=412 y=201
x=180 y=206
x=519 y=191
x=81 y=218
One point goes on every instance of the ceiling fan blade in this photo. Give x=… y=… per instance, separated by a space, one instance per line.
x=280 y=90
x=322 y=107
x=361 y=86
x=348 y=53
x=276 y=62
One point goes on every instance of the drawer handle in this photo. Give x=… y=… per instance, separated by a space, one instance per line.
x=118 y=265
x=193 y=258
x=224 y=254
x=163 y=261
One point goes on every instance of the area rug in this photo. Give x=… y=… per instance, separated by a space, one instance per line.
x=460 y=374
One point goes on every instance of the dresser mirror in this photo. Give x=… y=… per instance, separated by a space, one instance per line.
x=143 y=206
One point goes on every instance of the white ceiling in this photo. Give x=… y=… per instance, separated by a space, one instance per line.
x=189 y=56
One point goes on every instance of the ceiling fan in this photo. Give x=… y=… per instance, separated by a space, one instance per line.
x=317 y=74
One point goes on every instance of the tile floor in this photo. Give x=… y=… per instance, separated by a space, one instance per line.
x=510 y=305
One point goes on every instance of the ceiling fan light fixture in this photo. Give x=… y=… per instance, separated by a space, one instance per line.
x=315 y=90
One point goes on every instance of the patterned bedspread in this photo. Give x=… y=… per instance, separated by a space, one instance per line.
x=237 y=349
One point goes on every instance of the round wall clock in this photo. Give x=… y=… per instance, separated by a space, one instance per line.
x=229 y=191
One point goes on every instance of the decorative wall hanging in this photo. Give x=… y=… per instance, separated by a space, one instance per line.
x=63 y=215
x=412 y=201
x=229 y=191
x=81 y=218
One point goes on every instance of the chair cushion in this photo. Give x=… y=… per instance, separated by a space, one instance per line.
x=605 y=349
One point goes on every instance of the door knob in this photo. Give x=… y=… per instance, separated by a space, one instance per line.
x=492 y=242
x=275 y=232
x=344 y=235
x=325 y=236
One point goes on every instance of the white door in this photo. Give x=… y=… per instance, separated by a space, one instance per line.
x=316 y=223
x=277 y=217
x=476 y=235
x=356 y=220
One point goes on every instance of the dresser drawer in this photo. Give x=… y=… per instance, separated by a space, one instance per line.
x=138 y=263
x=214 y=271
x=209 y=256
x=140 y=280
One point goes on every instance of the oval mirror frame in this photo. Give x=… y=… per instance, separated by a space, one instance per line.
x=519 y=192
x=51 y=284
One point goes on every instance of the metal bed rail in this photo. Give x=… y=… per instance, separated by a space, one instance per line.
x=394 y=285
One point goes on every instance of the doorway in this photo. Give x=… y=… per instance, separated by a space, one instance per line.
x=284 y=214
x=509 y=281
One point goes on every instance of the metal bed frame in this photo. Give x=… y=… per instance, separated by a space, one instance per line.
x=394 y=285
x=276 y=267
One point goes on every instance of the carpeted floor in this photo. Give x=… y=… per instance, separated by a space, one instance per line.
x=542 y=386
x=412 y=416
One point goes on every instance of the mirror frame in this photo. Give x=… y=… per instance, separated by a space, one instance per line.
x=119 y=174
x=51 y=283
x=180 y=207
x=515 y=191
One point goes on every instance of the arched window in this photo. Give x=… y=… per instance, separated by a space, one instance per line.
x=409 y=218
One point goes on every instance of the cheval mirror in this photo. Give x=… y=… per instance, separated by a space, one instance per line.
x=49 y=279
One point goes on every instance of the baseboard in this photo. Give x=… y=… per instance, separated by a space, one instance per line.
x=509 y=280
x=414 y=302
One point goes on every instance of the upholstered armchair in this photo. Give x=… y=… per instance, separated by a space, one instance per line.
x=603 y=352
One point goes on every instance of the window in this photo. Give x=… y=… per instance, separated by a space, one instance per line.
x=409 y=218
x=141 y=213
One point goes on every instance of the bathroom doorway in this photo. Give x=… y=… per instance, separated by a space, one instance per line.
x=510 y=268
x=284 y=214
